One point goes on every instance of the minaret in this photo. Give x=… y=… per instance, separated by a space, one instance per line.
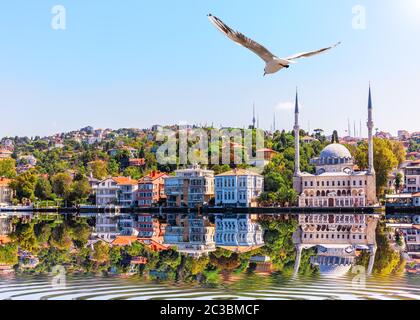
x=274 y=122
x=253 y=116
x=297 y=132
x=371 y=169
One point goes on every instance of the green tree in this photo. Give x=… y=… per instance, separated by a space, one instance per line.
x=99 y=169
x=24 y=185
x=384 y=160
x=8 y=168
x=43 y=189
x=61 y=183
x=79 y=191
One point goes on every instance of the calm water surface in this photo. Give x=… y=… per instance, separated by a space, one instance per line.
x=253 y=287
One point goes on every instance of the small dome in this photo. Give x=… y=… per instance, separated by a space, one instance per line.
x=335 y=150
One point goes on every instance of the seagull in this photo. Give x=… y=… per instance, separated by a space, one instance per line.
x=273 y=63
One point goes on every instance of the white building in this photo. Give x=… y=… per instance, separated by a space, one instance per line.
x=117 y=190
x=238 y=230
x=335 y=183
x=412 y=178
x=190 y=187
x=238 y=187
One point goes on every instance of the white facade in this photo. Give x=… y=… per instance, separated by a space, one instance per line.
x=107 y=192
x=119 y=190
x=238 y=230
x=412 y=179
x=238 y=188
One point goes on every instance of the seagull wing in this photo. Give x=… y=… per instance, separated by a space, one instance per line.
x=311 y=53
x=242 y=40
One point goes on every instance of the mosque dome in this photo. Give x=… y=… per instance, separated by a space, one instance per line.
x=335 y=150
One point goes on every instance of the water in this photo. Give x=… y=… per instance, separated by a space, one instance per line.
x=253 y=287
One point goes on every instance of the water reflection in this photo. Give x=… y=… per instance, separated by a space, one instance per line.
x=238 y=256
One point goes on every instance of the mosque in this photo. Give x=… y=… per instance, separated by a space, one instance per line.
x=335 y=183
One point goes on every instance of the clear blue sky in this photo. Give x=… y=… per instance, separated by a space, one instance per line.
x=139 y=63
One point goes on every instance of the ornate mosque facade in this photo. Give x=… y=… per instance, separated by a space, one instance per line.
x=335 y=182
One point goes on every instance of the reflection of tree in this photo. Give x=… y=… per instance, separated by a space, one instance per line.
x=387 y=260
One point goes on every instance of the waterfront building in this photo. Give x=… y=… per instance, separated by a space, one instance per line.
x=338 y=239
x=117 y=190
x=190 y=187
x=238 y=188
x=6 y=193
x=151 y=189
x=336 y=182
x=412 y=176
x=238 y=230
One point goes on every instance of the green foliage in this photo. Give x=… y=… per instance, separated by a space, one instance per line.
x=61 y=183
x=9 y=254
x=387 y=156
x=24 y=185
x=43 y=189
x=8 y=168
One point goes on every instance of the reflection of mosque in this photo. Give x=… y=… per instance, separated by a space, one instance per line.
x=338 y=239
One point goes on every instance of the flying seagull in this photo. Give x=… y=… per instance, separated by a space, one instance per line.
x=273 y=63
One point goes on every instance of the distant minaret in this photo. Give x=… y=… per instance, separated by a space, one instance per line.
x=371 y=169
x=258 y=121
x=349 y=128
x=354 y=132
x=253 y=116
x=297 y=131
x=274 y=122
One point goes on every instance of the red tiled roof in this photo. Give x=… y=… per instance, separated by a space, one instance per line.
x=124 y=240
x=124 y=181
x=4 y=239
x=153 y=176
x=4 y=182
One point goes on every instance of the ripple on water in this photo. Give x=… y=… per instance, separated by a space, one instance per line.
x=268 y=288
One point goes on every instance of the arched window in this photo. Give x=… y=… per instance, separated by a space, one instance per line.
x=339 y=193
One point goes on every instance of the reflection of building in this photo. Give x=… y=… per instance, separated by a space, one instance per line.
x=5 y=225
x=106 y=226
x=6 y=192
x=192 y=236
x=238 y=187
x=150 y=227
x=412 y=241
x=337 y=237
x=238 y=230
x=190 y=187
x=335 y=183
x=151 y=189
